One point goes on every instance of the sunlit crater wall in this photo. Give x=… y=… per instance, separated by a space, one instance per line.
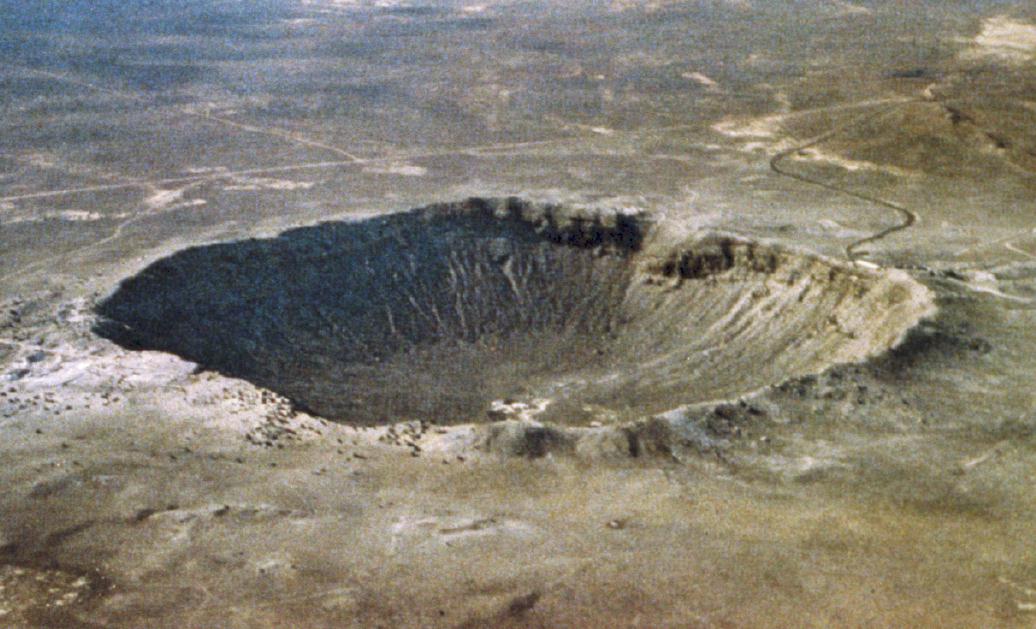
x=435 y=313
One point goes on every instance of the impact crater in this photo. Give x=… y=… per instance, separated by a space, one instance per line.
x=450 y=312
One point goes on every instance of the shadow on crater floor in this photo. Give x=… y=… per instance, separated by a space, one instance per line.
x=434 y=313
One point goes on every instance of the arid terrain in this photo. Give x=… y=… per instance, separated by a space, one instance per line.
x=479 y=313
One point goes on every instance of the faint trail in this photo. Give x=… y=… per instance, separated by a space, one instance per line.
x=352 y=159
x=1005 y=241
x=115 y=235
x=98 y=188
x=909 y=216
x=49 y=161
x=1010 y=247
x=798 y=113
x=200 y=178
x=76 y=81
x=285 y=135
x=39 y=263
x=226 y=174
x=491 y=149
x=277 y=133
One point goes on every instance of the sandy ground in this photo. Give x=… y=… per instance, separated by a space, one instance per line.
x=143 y=490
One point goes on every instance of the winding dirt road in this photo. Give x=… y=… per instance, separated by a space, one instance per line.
x=909 y=216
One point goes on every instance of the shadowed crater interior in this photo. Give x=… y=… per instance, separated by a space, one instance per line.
x=436 y=313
